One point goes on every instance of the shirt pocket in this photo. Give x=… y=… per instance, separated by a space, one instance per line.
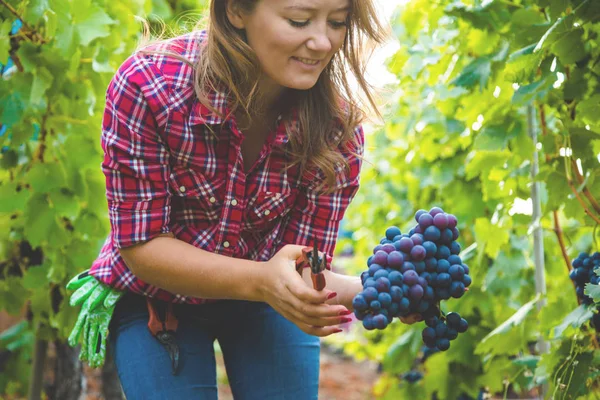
x=267 y=210
x=196 y=197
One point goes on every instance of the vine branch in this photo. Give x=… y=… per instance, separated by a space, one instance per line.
x=585 y=207
x=585 y=190
x=563 y=249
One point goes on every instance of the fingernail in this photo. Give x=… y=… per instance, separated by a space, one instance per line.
x=344 y=320
x=331 y=295
x=345 y=312
x=338 y=330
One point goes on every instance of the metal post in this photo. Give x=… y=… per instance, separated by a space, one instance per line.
x=538 y=239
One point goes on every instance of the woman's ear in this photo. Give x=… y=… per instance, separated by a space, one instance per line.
x=234 y=14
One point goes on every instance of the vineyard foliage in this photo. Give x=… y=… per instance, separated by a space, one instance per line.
x=56 y=58
x=456 y=135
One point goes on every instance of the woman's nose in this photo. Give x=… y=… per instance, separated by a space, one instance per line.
x=319 y=41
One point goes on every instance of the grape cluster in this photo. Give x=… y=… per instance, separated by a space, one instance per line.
x=411 y=273
x=583 y=273
x=440 y=333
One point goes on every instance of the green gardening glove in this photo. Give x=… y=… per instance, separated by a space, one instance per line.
x=97 y=303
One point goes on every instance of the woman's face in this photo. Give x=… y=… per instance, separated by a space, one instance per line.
x=294 y=40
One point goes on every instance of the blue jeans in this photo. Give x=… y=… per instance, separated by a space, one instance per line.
x=266 y=356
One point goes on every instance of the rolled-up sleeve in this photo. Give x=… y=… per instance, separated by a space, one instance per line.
x=136 y=160
x=317 y=215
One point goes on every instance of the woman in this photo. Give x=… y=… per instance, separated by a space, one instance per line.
x=228 y=151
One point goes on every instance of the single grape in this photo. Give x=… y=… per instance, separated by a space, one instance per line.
x=462 y=326
x=454 y=259
x=428 y=334
x=411 y=277
x=391 y=232
x=385 y=299
x=430 y=248
x=369 y=282
x=446 y=236
x=407 y=266
x=368 y=323
x=404 y=304
x=443 y=344
x=370 y=294
x=417 y=238
x=455 y=233
x=443 y=252
x=369 y=261
x=425 y=221
x=382 y=285
x=375 y=305
x=444 y=279
x=381 y=274
x=359 y=303
x=396 y=293
x=406 y=245
x=377 y=248
x=452 y=221
x=440 y=221
x=381 y=258
x=374 y=268
x=453 y=319
x=467 y=280
x=442 y=266
x=431 y=264
x=416 y=292
x=452 y=334
x=418 y=214
x=396 y=278
x=389 y=247
x=455 y=248
x=432 y=234
x=441 y=329
x=435 y=210
x=457 y=289
x=419 y=266
x=395 y=259
x=418 y=253
x=457 y=272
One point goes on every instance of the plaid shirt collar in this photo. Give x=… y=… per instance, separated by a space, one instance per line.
x=200 y=114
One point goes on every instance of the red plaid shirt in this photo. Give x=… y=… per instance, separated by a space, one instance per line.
x=165 y=172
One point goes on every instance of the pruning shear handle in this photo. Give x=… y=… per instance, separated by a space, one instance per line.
x=317 y=262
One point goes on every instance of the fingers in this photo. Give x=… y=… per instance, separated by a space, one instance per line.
x=83 y=292
x=79 y=280
x=319 y=331
x=310 y=295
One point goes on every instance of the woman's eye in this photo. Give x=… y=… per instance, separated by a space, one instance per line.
x=338 y=24
x=298 y=24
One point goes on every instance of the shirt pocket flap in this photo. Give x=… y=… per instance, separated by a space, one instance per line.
x=191 y=184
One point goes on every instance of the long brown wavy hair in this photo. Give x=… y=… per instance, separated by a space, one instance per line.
x=328 y=112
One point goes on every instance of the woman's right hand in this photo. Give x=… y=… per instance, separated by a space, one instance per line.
x=284 y=290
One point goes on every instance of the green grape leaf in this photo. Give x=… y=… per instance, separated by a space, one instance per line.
x=42 y=81
x=92 y=22
x=36 y=278
x=43 y=177
x=13 y=197
x=593 y=291
x=35 y=10
x=477 y=72
x=40 y=219
x=570 y=47
x=492 y=342
x=575 y=319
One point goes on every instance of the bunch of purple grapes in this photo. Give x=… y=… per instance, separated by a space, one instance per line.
x=582 y=274
x=439 y=332
x=411 y=273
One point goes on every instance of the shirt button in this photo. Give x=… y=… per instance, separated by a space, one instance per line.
x=212 y=199
x=226 y=244
x=182 y=189
x=267 y=212
x=234 y=202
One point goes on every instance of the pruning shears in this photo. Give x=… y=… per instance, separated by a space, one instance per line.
x=318 y=263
